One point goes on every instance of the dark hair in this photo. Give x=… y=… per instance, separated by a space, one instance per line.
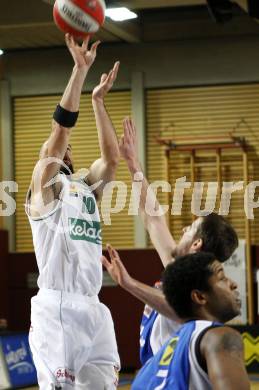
x=185 y=274
x=218 y=236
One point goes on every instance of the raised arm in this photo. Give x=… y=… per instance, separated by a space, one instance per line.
x=223 y=351
x=155 y=225
x=104 y=168
x=65 y=115
x=148 y=295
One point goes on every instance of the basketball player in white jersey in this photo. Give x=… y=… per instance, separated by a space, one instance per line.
x=72 y=335
x=211 y=233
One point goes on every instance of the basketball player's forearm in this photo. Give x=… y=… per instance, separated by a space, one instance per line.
x=155 y=225
x=151 y=297
x=147 y=199
x=71 y=97
x=108 y=141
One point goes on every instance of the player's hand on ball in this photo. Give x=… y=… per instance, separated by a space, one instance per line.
x=106 y=83
x=115 y=267
x=82 y=55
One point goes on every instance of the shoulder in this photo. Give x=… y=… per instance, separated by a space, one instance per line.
x=221 y=339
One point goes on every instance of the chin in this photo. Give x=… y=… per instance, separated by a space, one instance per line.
x=231 y=316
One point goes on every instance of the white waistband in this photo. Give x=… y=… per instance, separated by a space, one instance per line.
x=43 y=292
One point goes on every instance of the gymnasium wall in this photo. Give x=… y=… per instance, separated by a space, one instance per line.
x=177 y=63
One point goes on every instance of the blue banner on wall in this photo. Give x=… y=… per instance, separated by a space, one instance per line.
x=18 y=359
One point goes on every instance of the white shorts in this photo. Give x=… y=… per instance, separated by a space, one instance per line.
x=73 y=343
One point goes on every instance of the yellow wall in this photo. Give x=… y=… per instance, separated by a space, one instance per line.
x=199 y=113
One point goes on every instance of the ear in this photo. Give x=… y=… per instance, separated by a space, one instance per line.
x=198 y=298
x=196 y=245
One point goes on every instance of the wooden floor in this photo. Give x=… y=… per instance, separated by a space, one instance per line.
x=124 y=378
x=125 y=387
x=254 y=386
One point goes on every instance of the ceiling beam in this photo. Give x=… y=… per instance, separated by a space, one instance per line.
x=125 y=31
x=243 y=4
x=145 y=4
x=25 y=25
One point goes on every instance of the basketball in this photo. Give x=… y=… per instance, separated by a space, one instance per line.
x=79 y=17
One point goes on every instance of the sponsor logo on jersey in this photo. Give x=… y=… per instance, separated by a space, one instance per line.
x=66 y=375
x=169 y=352
x=80 y=229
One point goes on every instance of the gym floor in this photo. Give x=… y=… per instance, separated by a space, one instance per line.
x=125 y=379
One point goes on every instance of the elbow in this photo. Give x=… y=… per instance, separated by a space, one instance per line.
x=59 y=130
x=150 y=222
x=155 y=222
x=113 y=162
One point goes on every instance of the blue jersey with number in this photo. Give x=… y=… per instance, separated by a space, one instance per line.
x=170 y=368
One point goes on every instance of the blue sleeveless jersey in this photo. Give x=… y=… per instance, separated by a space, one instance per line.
x=148 y=318
x=147 y=322
x=169 y=369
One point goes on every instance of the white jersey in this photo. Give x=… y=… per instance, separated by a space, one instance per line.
x=155 y=330
x=198 y=377
x=68 y=242
x=161 y=332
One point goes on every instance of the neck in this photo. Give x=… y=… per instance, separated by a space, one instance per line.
x=202 y=316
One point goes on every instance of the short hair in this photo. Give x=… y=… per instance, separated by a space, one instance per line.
x=218 y=236
x=187 y=273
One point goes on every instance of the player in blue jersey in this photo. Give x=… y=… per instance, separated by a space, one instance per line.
x=211 y=233
x=204 y=354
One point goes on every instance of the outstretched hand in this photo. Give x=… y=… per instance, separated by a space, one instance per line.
x=82 y=55
x=128 y=142
x=116 y=268
x=106 y=83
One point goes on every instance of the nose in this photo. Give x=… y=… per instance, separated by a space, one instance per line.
x=233 y=284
